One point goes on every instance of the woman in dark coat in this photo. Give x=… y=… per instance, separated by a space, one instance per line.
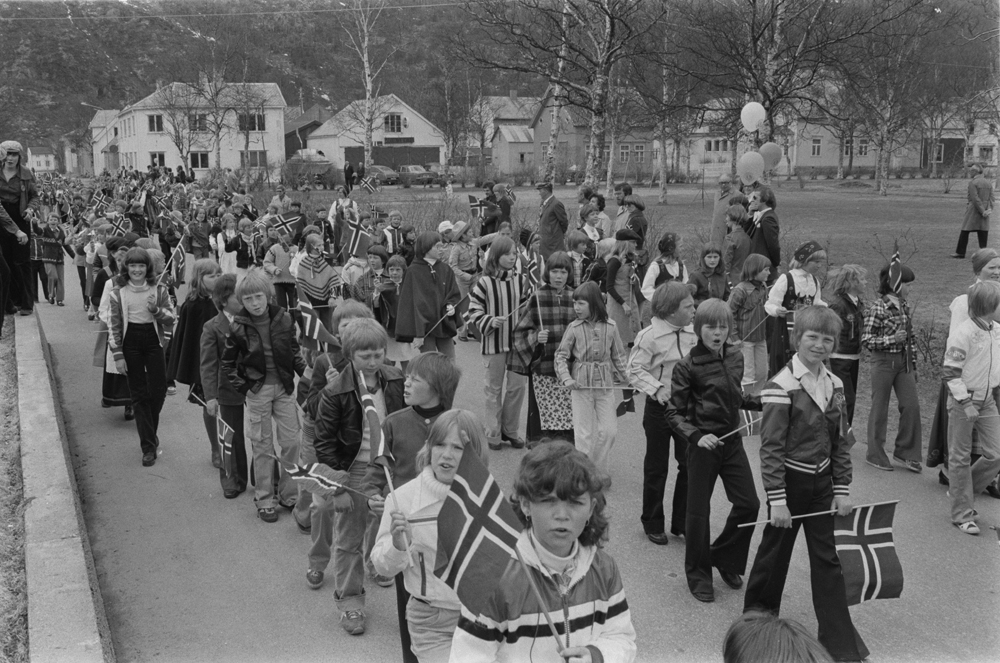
x=20 y=200
x=428 y=299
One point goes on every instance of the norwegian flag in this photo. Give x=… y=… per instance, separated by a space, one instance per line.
x=100 y=203
x=360 y=239
x=225 y=433
x=477 y=532
x=868 y=554
x=510 y=192
x=118 y=225
x=478 y=207
x=286 y=223
x=381 y=454
x=895 y=269
x=178 y=259
x=317 y=478
x=312 y=326
x=376 y=212
x=532 y=270
x=369 y=185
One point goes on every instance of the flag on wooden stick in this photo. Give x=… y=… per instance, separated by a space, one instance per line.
x=868 y=554
x=477 y=533
x=478 y=207
x=225 y=436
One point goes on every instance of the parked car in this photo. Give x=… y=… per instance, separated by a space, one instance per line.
x=415 y=175
x=383 y=175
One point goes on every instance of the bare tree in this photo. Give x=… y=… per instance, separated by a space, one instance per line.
x=249 y=101
x=180 y=103
x=360 y=23
x=586 y=37
x=482 y=112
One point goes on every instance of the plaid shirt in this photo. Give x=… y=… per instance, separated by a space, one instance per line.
x=883 y=319
x=549 y=310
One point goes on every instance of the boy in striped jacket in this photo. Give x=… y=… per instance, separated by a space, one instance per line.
x=493 y=308
x=806 y=468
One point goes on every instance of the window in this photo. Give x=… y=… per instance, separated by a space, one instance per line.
x=848 y=146
x=157 y=159
x=251 y=121
x=545 y=149
x=817 y=146
x=198 y=122
x=116 y=132
x=199 y=159
x=640 y=153
x=708 y=146
x=607 y=155
x=393 y=123
x=257 y=159
x=863 y=147
x=986 y=153
x=993 y=128
x=971 y=127
x=155 y=123
x=520 y=157
x=623 y=151
x=938 y=153
x=656 y=155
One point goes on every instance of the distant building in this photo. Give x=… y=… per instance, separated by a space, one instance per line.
x=401 y=135
x=300 y=125
x=42 y=159
x=487 y=113
x=513 y=149
x=142 y=133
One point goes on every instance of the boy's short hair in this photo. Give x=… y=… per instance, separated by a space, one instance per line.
x=984 y=299
x=224 y=289
x=361 y=335
x=574 y=238
x=439 y=372
x=713 y=313
x=349 y=310
x=754 y=264
x=667 y=298
x=244 y=224
x=379 y=250
x=425 y=241
x=819 y=319
x=762 y=636
x=736 y=213
x=396 y=261
x=558 y=260
x=256 y=281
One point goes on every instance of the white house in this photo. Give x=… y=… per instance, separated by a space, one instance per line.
x=42 y=159
x=148 y=131
x=104 y=141
x=513 y=149
x=401 y=135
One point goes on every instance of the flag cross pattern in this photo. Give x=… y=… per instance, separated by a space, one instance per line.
x=357 y=233
x=367 y=184
x=285 y=224
x=381 y=452
x=310 y=321
x=895 y=269
x=225 y=436
x=477 y=206
x=118 y=226
x=868 y=554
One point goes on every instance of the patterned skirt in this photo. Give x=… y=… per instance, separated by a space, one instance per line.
x=555 y=408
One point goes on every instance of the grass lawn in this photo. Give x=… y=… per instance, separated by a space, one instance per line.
x=13 y=590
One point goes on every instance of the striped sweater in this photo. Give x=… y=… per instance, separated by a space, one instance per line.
x=591 y=612
x=317 y=279
x=496 y=297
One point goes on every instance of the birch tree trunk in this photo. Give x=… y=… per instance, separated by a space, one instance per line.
x=550 y=156
x=840 y=155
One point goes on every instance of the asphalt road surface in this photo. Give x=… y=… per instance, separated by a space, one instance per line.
x=189 y=576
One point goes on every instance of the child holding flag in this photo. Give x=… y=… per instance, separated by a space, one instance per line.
x=348 y=425
x=563 y=574
x=806 y=468
x=222 y=401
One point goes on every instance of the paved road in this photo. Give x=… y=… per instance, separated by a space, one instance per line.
x=189 y=576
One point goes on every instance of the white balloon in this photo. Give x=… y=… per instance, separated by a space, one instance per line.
x=752 y=115
x=750 y=167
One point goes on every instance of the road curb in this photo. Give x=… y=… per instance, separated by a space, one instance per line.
x=65 y=611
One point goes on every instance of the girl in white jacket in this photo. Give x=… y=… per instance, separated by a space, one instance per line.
x=433 y=608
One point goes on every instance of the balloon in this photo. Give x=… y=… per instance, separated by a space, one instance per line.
x=752 y=115
x=750 y=167
x=771 y=153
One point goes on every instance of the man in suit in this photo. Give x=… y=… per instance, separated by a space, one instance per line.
x=977 y=212
x=762 y=227
x=348 y=177
x=552 y=221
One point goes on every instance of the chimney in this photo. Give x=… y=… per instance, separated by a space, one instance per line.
x=159 y=83
x=513 y=95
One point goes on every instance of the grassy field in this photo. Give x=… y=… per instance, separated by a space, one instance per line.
x=13 y=591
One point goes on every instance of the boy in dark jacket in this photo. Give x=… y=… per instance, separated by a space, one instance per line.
x=221 y=399
x=705 y=398
x=261 y=361
x=348 y=430
x=805 y=464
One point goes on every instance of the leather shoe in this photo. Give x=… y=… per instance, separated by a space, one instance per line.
x=705 y=596
x=676 y=532
x=943 y=478
x=129 y=415
x=268 y=515
x=515 y=442
x=993 y=491
x=231 y=493
x=148 y=459
x=216 y=460
x=659 y=539
x=957 y=256
x=734 y=580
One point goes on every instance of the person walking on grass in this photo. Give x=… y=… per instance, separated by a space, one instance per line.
x=977 y=212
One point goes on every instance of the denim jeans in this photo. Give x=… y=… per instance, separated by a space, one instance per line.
x=967 y=481
x=656 y=466
x=147 y=381
x=502 y=414
x=595 y=423
x=272 y=405
x=345 y=534
x=754 y=366
x=307 y=454
x=887 y=375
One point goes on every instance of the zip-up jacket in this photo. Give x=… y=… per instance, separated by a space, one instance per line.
x=340 y=417
x=163 y=319
x=796 y=436
x=853 y=318
x=243 y=360
x=972 y=361
x=706 y=394
x=590 y=612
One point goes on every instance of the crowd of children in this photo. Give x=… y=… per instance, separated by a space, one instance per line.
x=372 y=399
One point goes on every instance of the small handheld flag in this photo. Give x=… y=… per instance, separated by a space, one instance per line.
x=478 y=207
x=360 y=239
x=225 y=435
x=312 y=326
x=118 y=226
x=369 y=185
x=868 y=554
x=895 y=269
x=317 y=478
x=178 y=260
x=510 y=192
x=287 y=223
x=477 y=534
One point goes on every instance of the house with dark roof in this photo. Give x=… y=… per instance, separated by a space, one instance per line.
x=299 y=125
x=42 y=159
